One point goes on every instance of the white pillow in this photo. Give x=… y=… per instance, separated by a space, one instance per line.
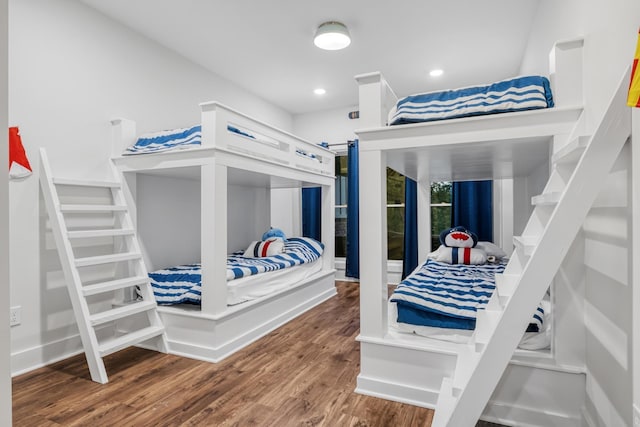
x=491 y=249
x=460 y=255
x=261 y=249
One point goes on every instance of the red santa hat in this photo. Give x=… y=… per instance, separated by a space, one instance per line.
x=19 y=166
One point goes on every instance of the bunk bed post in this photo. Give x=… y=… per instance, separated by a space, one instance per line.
x=123 y=135
x=565 y=72
x=373 y=243
x=213 y=243
x=424 y=216
x=376 y=99
x=328 y=226
x=566 y=78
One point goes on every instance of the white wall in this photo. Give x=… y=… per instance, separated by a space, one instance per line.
x=610 y=32
x=332 y=126
x=5 y=340
x=70 y=71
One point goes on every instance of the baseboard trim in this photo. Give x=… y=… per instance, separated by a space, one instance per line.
x=37 y=357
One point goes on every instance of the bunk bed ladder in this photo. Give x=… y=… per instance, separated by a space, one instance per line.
x=579 y=170
x=93 y=224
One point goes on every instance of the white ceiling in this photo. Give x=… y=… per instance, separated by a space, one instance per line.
x=266 y=46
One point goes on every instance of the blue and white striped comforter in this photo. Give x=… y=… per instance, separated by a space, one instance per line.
x=516 y=94
x=448 y=296
x=173 y=139
x=182 y=284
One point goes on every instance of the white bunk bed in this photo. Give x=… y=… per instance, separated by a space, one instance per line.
x=410 y=368
x=202 y=177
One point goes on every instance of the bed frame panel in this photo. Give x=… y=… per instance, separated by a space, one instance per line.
x=271 y=160
x=507 y=145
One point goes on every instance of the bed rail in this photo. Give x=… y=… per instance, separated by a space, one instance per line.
x=256 y=138
x=225 y=130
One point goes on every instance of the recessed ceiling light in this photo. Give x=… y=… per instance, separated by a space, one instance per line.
x=319 y=91
x=332 y=36
x=436 y=73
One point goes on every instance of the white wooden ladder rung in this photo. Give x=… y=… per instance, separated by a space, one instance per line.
x=546 y=199
x=114 y=285
x=106 y=259
x=121 y=312
x=127 y=340
x=111 y=232
x=526 y=244
x=139 y=319
x=88 y=183
x=92 y=208
x=571 y=152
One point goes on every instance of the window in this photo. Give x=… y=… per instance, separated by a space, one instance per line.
x=440 y=211
x=341 y=206
x=395 y=210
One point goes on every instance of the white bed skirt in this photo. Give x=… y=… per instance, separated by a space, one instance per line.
x=259 y=285
x=530 y=340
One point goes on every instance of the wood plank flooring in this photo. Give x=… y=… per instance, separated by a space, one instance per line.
x=302 y=374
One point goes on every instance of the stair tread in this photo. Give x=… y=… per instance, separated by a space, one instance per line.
x=571 y=152
x=546 y=199
x=465 y=365
x=526 y=243
x=104 y=259
x=486 y=322
x=119 y=343
x=92 y=208
x=506 y=285
x=86 y=183
x=112 y=285
x=121 y=312
x=81 y=234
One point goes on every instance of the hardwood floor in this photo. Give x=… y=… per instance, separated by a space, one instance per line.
x=302 y=374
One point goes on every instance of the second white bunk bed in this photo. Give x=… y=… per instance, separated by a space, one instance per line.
x=543 y=387
x=187 y=204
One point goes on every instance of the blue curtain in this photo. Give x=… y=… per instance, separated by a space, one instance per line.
x=410 y=258
x=311 y=209
x=472 y=207
x=352 y=268
x=311 y=219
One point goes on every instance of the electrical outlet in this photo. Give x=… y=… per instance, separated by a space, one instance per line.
x=14 y=315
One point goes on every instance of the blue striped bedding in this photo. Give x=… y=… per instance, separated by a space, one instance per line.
x=516 y=94
x=182 y=284
x=448 y=296
x=173 y=139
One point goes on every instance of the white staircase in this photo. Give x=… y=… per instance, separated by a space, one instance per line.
x=579 y=169
x=93 y=220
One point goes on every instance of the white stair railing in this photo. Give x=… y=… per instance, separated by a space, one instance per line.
x=580 y=169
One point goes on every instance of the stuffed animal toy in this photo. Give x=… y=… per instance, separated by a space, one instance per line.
x=458 y=237
x=274 y=233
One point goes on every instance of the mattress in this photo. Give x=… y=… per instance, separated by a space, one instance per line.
x=182 y=284
x=257 y=286
x=448 y=296
x=174 y=139
x=530 y=340
x=515 y=94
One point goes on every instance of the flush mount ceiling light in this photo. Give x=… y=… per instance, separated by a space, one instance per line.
x=332 y=35
x=436 y=73
x=319 y=91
